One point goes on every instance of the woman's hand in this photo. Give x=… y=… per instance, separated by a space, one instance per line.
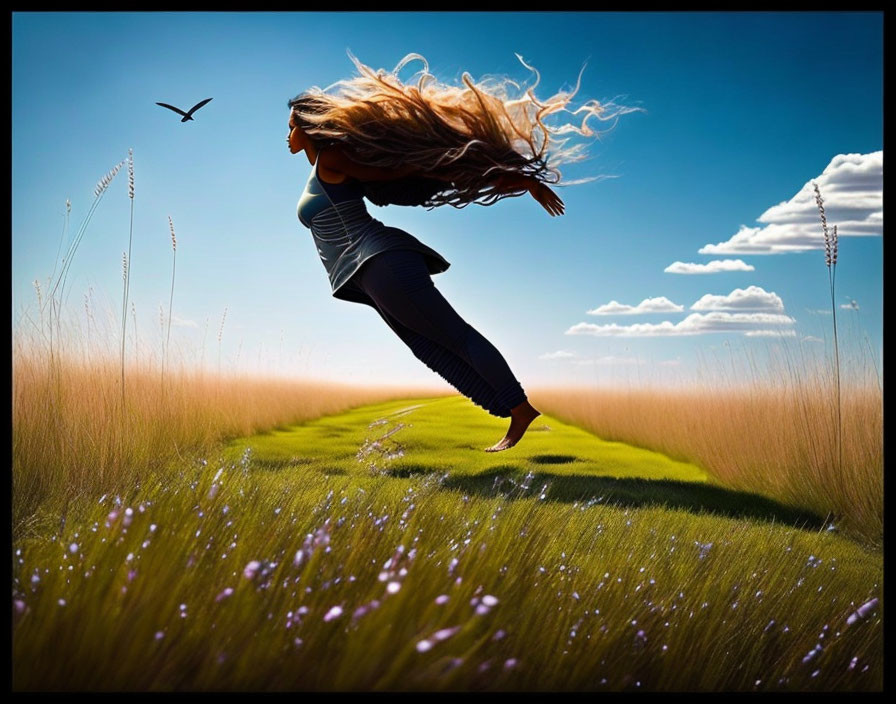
x=549 y=200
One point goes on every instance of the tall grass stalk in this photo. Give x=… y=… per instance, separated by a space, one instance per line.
x=136 y=334
x=52 y=311
x=65 y=225
x=171 y=298
x=127 y=279
x=98 y=193
x=124 y=317
x=220 y=334
x=830 y=257
x=204 y=340
x=53 y=300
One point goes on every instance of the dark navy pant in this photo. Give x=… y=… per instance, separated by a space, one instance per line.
x=400 y=285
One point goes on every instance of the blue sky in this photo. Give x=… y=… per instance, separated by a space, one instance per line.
x=739 y=113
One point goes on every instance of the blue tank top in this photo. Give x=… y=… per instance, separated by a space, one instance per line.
x=346 y=235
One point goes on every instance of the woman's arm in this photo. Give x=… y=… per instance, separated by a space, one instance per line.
x=337 y=161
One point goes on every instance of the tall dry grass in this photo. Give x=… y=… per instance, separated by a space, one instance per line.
x=79 y=430
x=798 y=434
x=73 y=438
x=778 y=441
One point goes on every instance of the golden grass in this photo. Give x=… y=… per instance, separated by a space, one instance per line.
x=775 y=440
x=74 y=436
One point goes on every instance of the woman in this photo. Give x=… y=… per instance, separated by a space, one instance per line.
x=431 y=145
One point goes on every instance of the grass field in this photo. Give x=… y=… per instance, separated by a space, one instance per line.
x=775 y=440
x=178 y=529
x=76 y=435
x=375 y=550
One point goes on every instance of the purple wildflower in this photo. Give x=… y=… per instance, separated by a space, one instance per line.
x=445 y=633
x=812 y=653
x=862 y=611
x=704 y=549
x=223 y=595
x=334 y=612
x=251 y=569
x=364 y=608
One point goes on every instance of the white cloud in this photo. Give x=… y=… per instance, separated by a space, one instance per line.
x=751 y=298
x=559 y=354
x=694 y=324
x=609 y=361
x=770 y=333
x=852 y=189
x=852 y=305
x=648 y=305
x=713 y=267
x=183 y=322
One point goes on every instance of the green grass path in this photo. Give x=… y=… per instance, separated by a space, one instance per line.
x=447 y=435
x=435 y=435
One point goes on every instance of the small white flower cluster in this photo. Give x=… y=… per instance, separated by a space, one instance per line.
x=319 y=539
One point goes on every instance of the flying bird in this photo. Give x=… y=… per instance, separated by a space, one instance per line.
x=186 y=115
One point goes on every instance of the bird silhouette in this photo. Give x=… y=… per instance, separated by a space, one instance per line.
x=186 y=115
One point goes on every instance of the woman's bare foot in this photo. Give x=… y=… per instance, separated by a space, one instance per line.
x=520 y=418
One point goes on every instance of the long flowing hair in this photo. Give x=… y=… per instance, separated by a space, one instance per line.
x=459 y=138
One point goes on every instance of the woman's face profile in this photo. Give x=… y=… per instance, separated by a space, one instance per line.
x=296 y=137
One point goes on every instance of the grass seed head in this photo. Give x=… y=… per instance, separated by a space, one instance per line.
x=131 y=174
x=173 y=237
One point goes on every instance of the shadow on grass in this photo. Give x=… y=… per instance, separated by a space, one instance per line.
x=553 y=459
x=628 y=492
x=275 y=465
x=409 y=470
